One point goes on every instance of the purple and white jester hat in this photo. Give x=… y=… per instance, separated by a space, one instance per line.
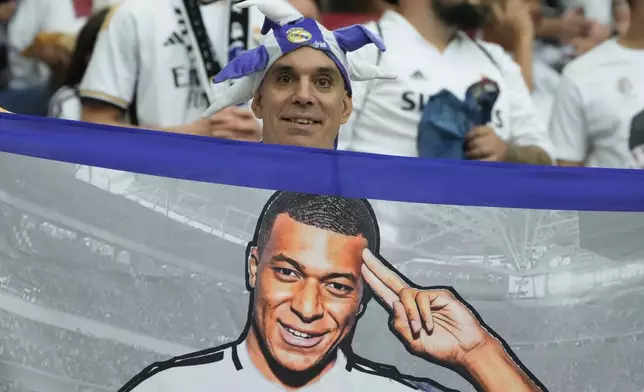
x=238 y=81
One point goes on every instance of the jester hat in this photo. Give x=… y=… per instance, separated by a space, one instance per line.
x=239 y=80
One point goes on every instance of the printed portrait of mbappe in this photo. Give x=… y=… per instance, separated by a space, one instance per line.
x=312 y=269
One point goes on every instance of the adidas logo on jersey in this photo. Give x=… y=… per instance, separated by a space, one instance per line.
x=174 y=39
x=418 y=75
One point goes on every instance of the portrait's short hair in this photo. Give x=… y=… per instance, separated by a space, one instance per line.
x=342 y=215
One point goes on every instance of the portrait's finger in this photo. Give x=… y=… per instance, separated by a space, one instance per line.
x=400 y=321
x=378 y=287
x=424 y=301
x=408 y=299
x=382 y=272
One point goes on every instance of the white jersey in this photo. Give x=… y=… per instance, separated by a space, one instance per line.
x=230 y=369
x=387 y=112
x=144 y=54
x=598 y=116
x=33 y=17
x=65 y=104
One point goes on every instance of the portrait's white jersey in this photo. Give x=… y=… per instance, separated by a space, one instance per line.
x=231 y=369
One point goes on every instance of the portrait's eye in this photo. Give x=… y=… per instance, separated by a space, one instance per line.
x=340 y=289
x=285 y=273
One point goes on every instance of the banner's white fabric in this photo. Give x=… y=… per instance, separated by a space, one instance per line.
x=104 y=272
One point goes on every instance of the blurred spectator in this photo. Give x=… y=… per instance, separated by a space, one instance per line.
x=151 y=65
x=308 y=8
x=28 y=91
x=598 y=116
x=427 y=47
x=7 y=8
x=65 y=103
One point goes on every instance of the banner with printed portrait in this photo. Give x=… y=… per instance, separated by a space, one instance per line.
x=123 y=248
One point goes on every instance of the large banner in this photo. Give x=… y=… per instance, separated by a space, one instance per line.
x=123 y=251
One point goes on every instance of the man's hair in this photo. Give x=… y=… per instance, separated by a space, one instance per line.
x=84 y=47
x=342 y=215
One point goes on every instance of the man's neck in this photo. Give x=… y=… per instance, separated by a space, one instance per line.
x=428 y=25
x=634 y=37
x=259 y=360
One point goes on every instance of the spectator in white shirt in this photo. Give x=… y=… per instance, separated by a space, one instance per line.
x=598 y=117
x=429 y=51
x=28 y=91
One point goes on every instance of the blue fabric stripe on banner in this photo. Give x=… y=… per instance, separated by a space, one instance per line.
x=320 y=171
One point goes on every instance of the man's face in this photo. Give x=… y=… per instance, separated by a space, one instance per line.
x=308 y=287
x=302 y=100
x=462 y=14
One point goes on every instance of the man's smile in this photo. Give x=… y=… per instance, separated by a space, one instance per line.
x=300 y=338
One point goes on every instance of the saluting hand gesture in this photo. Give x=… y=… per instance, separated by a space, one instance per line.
x=431 y=323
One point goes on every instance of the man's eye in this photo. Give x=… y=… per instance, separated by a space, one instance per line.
x=324 y=83
x=284 y=79
x=340 y=288
x=285 y=272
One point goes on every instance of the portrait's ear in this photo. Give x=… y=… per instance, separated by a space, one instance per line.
x=347 y=108
x=253 y=264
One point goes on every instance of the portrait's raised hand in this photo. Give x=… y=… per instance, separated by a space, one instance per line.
x=431 y=323
x=434 y=324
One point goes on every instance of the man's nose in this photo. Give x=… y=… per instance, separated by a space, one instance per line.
x=303 y=94
x=306 y=303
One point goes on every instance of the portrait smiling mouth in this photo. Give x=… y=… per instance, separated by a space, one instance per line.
x=298 y=338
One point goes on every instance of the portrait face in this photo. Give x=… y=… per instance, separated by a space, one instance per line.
x=303 y=100
x=307 y=291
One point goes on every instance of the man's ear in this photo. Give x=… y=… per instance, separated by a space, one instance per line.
x=253 y=265
x=347 y=108
x=256 y=105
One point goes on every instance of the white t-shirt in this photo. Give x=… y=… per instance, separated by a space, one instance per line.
x=546 y=81
x=231 y=369
x=65 y=104
x=596 y=110
x=141 y=52
x=33 y=17
x=386 y=120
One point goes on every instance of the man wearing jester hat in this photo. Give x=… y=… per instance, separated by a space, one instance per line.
x=299 y=79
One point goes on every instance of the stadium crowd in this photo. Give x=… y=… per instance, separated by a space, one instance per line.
x=526 y=81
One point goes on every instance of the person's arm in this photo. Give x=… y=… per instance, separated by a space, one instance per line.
x=108 y=86
x=529 y=141
x=435 y=325
x=568 y=124
x=512 y=28
x=493 y=369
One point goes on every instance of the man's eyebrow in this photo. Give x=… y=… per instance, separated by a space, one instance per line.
x=284 y=69
x=338 y=275
x=328 y=70
x=286 y=259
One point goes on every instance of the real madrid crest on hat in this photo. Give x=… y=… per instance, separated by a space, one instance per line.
x=298 y=35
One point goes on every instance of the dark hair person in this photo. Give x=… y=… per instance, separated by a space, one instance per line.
x=65 y=103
